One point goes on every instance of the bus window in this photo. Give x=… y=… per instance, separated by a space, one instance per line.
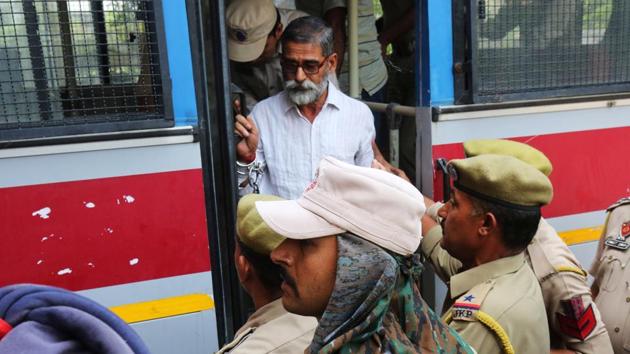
x=532 y=49
x=79 y=62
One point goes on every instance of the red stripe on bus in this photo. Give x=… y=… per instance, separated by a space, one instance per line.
x=93 y=233
x=589 y=173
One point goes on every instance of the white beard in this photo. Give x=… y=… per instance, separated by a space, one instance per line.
x=307 y=92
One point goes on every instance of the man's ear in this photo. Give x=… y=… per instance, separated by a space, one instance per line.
x=278 y=31
x=489 y=224
x=332 y=61
x=243 y=268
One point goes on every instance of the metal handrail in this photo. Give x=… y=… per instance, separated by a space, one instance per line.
x=405 y=111
x=394 y=113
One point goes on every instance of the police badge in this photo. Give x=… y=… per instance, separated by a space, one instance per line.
x=619 y=242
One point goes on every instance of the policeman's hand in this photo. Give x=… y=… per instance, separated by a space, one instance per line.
x=246 y=129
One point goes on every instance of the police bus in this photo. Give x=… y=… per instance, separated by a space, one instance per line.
x=117 y=153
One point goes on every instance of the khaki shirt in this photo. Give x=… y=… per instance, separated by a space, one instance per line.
x=612 y=275
x=500 y=294
x=271 y=329
x=261 y=80
x=372 y=70
x=564 y=287
x=575 y=322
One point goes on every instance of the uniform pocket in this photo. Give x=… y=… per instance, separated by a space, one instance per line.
x=611 y=272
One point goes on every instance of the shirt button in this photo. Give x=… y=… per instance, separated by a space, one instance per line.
x=616 y=329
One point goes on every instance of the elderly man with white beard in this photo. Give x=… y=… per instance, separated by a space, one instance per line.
x=290 y=132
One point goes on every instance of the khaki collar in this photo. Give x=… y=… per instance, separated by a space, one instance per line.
x=265 y=314
x=464 y=281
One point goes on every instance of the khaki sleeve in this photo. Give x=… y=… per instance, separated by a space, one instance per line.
x=563 y=294
x=478 y=336
x=445 y=265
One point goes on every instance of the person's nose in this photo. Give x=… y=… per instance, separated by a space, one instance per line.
x=300 y=75
x=281 y=255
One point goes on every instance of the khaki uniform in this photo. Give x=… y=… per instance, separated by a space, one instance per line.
x=261 y=80
x=497 y=307
x=271 y=329
x=575 y=322
x=612 y=276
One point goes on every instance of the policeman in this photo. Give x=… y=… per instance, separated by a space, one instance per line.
x=574 y=321
x=254 y=31
x=611 y=287
x=494 y=301
x=271 y=329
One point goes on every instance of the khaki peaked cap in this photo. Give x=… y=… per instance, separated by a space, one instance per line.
x=249 y=23
x=501 y=179
x=250 y=227
x=516 y=149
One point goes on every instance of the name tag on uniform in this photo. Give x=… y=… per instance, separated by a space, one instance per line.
x=617 y=243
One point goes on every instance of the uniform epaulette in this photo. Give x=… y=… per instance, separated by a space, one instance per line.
x=620 y=202
x=570 y=269
x=467 y=305
x=238 y=340
x=467 y=308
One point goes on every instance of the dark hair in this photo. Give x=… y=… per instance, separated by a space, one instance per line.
x=267 y=271
x=310 y=29
x=518 y=226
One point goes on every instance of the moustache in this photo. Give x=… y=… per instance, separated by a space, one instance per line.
x=288 y=279
x=304 y=85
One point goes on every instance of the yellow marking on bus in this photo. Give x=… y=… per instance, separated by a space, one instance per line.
x=588 y=234
x=156 y=309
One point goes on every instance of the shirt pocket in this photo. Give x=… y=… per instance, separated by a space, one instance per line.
x=611 y=271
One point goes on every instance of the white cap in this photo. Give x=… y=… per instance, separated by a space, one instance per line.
x=372 y=204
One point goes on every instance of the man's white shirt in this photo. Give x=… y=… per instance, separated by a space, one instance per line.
x=291 y=146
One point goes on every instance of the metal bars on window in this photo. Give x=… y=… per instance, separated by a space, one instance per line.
x=531 y=49
x=78 y=62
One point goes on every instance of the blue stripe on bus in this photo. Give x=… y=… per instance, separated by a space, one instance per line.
x=441 y=52
x=180 y=62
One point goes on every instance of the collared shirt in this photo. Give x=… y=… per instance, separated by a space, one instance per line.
x=261 y=80
x=271 y=329
x=291 y=146
x=567 y=295
x=611 y=269
x=508 y=293
x=372 y=70
x=505 y=289
x=565 y=291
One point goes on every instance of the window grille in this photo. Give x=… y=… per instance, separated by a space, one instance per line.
x=77 y=62
x=525 y=49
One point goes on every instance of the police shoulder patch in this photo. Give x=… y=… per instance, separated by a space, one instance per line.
x=466 y=306
x=576 y=321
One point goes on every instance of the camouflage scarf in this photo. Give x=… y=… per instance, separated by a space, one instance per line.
x=376 y=307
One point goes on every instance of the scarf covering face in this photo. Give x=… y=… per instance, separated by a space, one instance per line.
x=376 y=307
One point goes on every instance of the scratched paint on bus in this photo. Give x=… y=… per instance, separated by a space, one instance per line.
x=157 y=230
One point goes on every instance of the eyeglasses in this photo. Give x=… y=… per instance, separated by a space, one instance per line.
x=310 y=67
